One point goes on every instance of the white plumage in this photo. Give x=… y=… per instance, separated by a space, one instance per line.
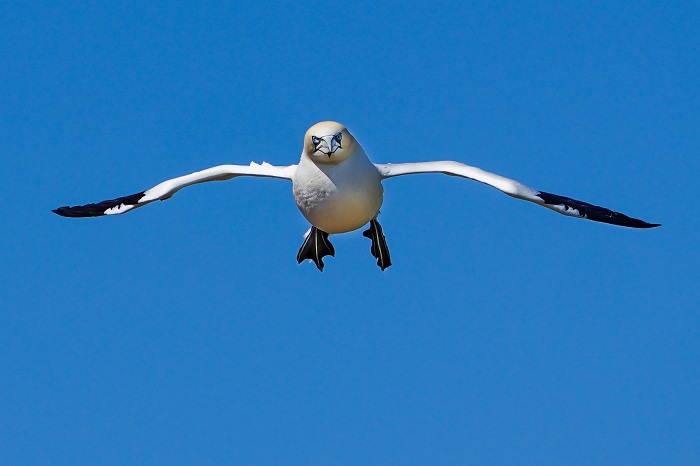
x=338 y=189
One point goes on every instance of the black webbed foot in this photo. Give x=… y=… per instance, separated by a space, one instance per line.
x=315 y=247
x=379 y=248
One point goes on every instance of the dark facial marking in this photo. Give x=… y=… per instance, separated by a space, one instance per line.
x=325 y=146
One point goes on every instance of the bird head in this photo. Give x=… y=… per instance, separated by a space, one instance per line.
x=328 y=142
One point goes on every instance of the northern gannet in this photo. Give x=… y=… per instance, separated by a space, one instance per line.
x=338 y=189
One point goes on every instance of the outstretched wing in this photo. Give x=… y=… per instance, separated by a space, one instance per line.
x=560 y=204
x=167 y=188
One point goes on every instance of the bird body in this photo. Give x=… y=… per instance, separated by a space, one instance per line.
x=338 y=198
x=338 y=189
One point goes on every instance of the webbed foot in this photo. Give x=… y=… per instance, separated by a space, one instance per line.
x=315 y=247
x=379 y=248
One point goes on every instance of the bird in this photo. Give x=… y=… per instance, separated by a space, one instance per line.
x=338 y=189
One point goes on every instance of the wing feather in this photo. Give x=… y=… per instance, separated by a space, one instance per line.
x=166 y=189
x=561 y=204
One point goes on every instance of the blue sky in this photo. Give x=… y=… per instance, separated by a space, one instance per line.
x=185 y=332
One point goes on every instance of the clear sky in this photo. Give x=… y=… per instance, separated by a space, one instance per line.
x=186 y=333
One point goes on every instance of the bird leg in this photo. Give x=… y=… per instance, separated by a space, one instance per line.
x=316 y=245
x=379 y=248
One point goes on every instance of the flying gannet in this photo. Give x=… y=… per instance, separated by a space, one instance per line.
x=338 y=189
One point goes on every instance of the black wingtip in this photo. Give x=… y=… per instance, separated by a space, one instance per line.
x=594 y=212
x=74 y=212
x=98 y=209
x=625 y=221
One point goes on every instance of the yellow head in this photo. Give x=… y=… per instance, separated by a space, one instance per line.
x=328 y=142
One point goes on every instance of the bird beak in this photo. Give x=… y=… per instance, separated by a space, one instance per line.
x=326 y=145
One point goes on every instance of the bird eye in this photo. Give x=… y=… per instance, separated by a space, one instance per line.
x=315 y=140
x=338 y=137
